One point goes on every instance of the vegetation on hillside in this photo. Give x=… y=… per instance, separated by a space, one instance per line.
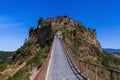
x=31 y=53
x=86 y=51
x=34 y=52
x=4 y=64
x=28 y=49
x=33 y=62
x=5 y=60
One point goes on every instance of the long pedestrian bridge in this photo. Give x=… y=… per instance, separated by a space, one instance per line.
x=62 y=64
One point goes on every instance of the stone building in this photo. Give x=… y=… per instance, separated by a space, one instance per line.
x=61 y=21
x=66 y=21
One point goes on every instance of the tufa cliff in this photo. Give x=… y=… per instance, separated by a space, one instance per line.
x=46 y=29
x=74 y=34
x=62 y=22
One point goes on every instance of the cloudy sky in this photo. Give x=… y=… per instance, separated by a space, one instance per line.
x=17 y=16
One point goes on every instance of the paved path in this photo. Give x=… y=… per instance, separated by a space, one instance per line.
x=60 y=66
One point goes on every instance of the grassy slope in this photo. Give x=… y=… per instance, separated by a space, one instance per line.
x=4 y=60
x=37 y=60
x=31 y=60
x=103 y=58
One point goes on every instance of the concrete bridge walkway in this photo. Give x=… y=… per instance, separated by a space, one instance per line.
x=60 y=66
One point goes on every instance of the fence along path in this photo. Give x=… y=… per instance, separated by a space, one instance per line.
x=91 y=71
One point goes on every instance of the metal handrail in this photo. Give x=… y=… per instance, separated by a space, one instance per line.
x=92 y=71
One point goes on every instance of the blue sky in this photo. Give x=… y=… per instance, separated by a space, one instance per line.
x=17 y=16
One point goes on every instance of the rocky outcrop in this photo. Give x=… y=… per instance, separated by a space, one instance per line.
x=43 y=35
x=46 y=29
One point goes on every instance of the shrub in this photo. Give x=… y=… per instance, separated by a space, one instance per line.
x=31 y=29
x=82 y=28
x=40 y=20
x=89 y=28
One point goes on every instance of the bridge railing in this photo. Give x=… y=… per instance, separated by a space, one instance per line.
x=42 y=71
x=92 y=71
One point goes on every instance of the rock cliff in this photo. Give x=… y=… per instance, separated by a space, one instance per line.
x=46 y=29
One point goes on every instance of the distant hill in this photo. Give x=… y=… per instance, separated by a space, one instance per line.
x=111 y=50
x=5 y=54
x=116 y=55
